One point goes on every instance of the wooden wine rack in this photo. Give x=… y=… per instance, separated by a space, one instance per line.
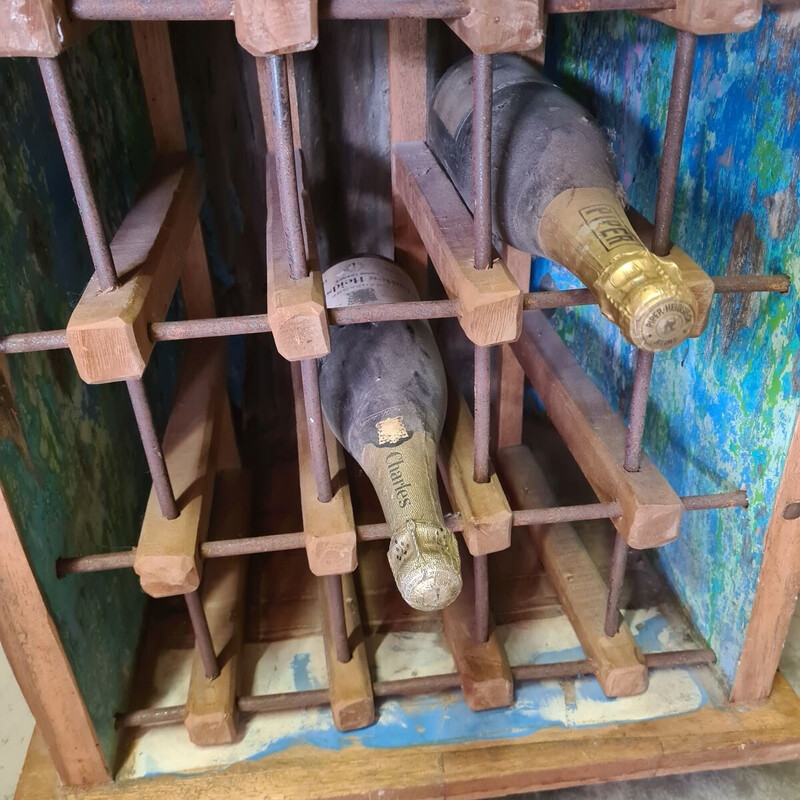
x=194 y=538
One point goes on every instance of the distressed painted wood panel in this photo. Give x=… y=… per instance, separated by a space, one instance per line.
x=722 y=406
x=70 y=459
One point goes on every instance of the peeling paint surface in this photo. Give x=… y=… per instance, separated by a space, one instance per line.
x=299 y=664
x=722 y=406
x=70 y=458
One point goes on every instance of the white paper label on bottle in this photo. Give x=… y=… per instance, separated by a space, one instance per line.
x=364 y=280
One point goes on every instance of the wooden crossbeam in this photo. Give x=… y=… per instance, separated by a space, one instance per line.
x=491 y=302
x=619 y=663
x=38 y=28
x=595 y=435
x=486 y=680
x=296 y=308
x=484 y=509
x=710 y=16
x=108 y=331
x=211 y=711
x=501 y=26
x=167 y=560
x=349 y=683
x=272 y=27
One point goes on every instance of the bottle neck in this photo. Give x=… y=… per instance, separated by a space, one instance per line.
x=587 y=231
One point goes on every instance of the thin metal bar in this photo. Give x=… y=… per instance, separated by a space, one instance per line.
x=316 y=430
x=482 y=159
x=408 y=687
x=281 y=124
x=665 y=205
x=152 y=448
x=200 y=10
x=202 y=635
x=272 y=543
x=678 y=108
x=56 y=89
x=338 y=622
x=480 y=567
x=177 y=330
x=578 y=6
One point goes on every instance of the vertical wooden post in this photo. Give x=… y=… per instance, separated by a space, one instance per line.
x=778 y=585
x=40 y=665
x=408 y=119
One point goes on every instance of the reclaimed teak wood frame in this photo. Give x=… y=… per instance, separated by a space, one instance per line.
x=199 y=489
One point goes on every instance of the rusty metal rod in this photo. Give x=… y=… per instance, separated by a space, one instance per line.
x=409 y=687
x=578 y=6
x=177 y=330
x=152 y=448
x=202 y=635
x=338 y=622
x=677 y=111
x=56 y=89
x=280 y=122
x=272 y=543
x=480 y=568
x=316 y=430
x=206 y=10
x=483 y=412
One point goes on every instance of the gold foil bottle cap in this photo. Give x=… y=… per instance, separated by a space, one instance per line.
x=649 y=301
x=426 y=566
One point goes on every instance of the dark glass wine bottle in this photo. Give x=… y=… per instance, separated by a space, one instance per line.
x=384 y=396
x=555 y=194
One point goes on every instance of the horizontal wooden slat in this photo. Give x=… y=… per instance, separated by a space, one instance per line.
x=491 y=301
x=107 y=332
x=595 y=435
x=710 y=16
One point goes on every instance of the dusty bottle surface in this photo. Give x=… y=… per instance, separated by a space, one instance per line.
x=555 y=194
x=384 y=396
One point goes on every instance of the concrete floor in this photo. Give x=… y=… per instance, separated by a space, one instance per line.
x=772 y=782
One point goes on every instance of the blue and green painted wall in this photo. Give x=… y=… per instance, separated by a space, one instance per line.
x=723 y=406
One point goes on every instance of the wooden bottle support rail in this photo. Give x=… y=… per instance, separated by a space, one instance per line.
x=349 y=683
x=595 y=435
x=329 y=529
x=296 y=308
x=211 y=711
x=167 y=560
x=619 y=664
x=486 y=679
x=485 y=512
x=108 y=331
x=490 y=300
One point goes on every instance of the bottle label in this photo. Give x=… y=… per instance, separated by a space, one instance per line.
x=588 y=232
x=364 y=280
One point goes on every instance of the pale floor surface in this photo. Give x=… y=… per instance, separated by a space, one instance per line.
x=772 y=782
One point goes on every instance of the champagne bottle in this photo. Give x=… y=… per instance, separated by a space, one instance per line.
x=384 y=396
x=555 y=194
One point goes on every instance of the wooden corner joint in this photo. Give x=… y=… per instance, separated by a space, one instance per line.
x=484 y=508
x=501 y=26
x=710 y=16
x=275 y=27
x=38 y=28
x=491 y=301
x=108 y=333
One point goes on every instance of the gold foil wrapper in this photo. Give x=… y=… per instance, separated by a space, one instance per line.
x=587 y=231
x=423 y=553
